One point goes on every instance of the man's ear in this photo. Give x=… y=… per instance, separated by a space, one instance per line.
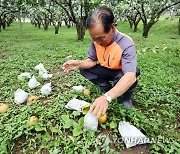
x=113 y=27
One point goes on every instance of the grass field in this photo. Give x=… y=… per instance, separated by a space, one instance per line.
x=60 y=130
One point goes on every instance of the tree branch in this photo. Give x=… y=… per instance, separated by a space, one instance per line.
x=165 y=8
x=71 y=10
x=143 y=13
x=66 y=10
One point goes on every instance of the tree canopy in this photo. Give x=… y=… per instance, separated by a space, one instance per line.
x=54 y=12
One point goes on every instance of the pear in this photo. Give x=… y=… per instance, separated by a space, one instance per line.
x=102 y=119
x=86 y=92
x=33 y=120
x=3 y=108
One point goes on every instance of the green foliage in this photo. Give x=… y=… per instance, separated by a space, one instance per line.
x=60 y=130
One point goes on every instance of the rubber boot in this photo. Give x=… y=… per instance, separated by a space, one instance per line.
x=125 y=99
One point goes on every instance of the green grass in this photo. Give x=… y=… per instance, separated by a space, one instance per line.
x=60 y=130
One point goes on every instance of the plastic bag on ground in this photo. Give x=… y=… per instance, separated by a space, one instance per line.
x=79 y=88
x=70 y=56
x=90 y=122
x=76 y=104
x=44 y=74
x=46 y=89
x=131 y=135
x=20 y=96
x=25 y=74
x=39 y=67
x=33 y=83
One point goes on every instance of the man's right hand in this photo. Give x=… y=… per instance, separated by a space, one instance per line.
x=71 y=65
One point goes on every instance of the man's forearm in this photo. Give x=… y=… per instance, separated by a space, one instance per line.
x=123 y=85
x=86 y=64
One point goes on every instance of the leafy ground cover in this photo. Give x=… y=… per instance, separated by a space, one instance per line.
x=60 y=130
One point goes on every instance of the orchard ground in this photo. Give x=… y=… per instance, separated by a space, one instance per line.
x=59 y=130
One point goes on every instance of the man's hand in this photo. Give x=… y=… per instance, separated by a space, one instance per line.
x=99 y=106
x=70 y=65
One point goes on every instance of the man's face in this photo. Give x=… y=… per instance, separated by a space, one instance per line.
x=99 y=36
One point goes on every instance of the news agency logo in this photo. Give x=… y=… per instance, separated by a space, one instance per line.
x=104 y=139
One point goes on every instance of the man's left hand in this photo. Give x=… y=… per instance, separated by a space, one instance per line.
x=99 y=106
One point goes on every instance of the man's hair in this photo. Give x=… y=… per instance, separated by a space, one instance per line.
x=102 y=14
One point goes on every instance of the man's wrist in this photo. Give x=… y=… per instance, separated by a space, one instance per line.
x=79 y=64
x=108 y=98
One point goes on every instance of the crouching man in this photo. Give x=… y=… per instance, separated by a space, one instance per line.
x=111 y=57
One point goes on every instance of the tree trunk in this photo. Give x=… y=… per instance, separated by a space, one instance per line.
x=8 y=23
x=147 y=27
x=4 y=25
x=56 y=29
x=135 y=27
x=145 y=31
x=136 y=24
x=80 y=30
x=39 y=24
x=67 y=24
x=20 y=26
x=130 y=23
x=0 y=24
x=46 y=26
x=59 y=23
x=179 y=27
x=11 y=21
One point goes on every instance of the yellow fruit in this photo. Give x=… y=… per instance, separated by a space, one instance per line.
x=32 y=99
x=3 y=108
x=102 y=119
x=33 y=120
x=86 y=92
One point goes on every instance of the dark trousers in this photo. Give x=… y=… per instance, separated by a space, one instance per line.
x=101 y=76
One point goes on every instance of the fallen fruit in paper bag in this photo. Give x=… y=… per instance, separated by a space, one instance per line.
x=25 y=74
x=33 y=83
x=46 y=89
x=44 y=74
x=79 y=88
x=90 y=122
x=76 y=104
x=20 y=96
x=39 y=67
x=42 y=71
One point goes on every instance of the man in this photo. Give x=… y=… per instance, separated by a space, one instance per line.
x=111 y=57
